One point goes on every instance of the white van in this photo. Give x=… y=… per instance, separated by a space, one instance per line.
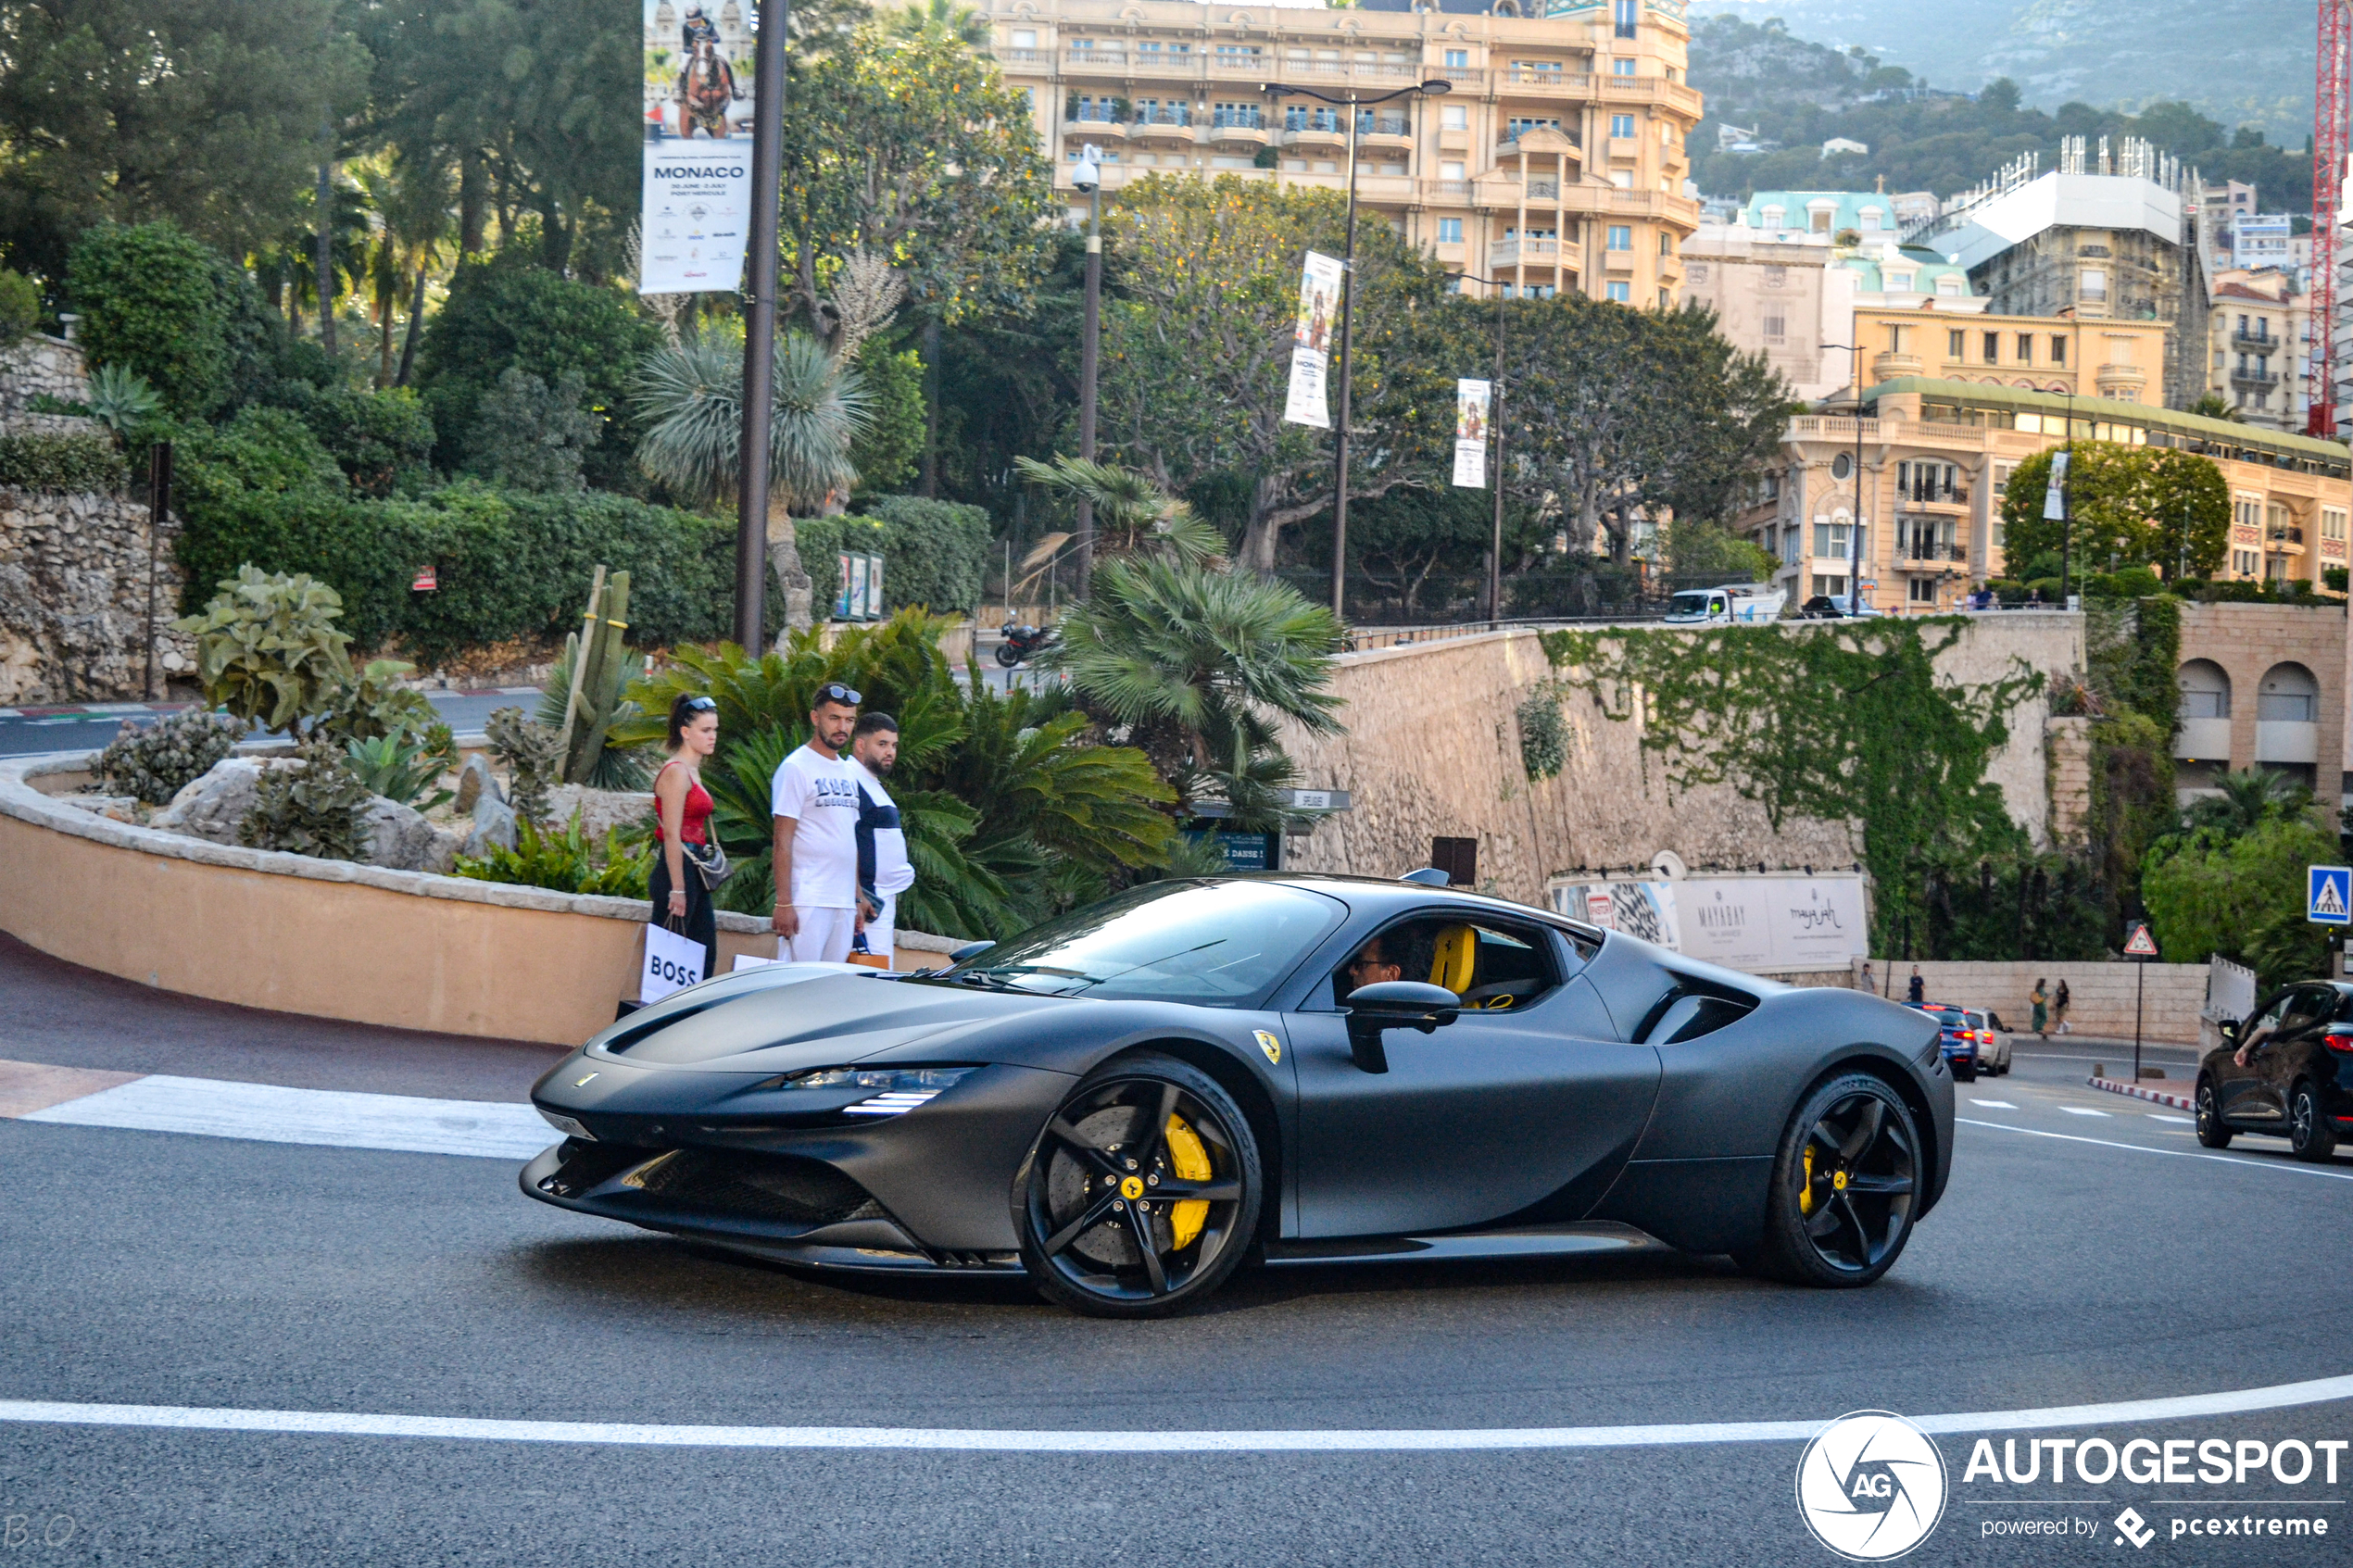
x=1742 y=604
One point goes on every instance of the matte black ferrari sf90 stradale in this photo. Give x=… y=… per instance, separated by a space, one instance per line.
x=1125 y=1102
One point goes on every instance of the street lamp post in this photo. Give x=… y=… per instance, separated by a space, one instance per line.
x=1495 y=418
x=1089 y=179
x=1353 y=102
x=1855 y=533
x=759 y=325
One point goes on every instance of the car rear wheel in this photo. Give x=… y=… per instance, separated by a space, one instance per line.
x=1965 y=1072
x=2212 y=1132
x=2310 y=1136
x=1142 y=1193
x=1845 y=1185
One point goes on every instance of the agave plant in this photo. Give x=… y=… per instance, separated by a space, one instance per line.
x=121 y=400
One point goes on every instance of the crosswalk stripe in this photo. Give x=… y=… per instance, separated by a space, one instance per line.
x=268 y=1114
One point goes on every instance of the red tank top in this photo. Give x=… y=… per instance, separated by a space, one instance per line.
x=694 y=821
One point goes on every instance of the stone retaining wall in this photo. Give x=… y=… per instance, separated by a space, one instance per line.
x=74 y=597
x=2100 y=994
x=40 y=365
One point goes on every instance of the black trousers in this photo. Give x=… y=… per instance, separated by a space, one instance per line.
x=702 y=923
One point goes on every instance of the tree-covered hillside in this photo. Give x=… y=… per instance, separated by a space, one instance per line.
x=1800 y=94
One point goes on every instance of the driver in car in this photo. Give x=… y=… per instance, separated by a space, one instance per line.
x=1369 y=967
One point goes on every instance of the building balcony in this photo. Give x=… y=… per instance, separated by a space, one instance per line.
x=1956 y=498
x=1162 y=63
x=1163 y=125
x=1025 y=61
x=2287 y=539
x=1241 y=132
x=2203 y=740
x=2257 y=342
x=1930 y=555
x=1466 y=78
x=2286 y=740
x=2262 y=380
x=1829 y=427
x=1888 y=367
x=1543 y=84
x=1095 y=125
x=1524 y=253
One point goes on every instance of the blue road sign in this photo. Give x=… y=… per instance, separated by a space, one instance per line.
x=2327 y=895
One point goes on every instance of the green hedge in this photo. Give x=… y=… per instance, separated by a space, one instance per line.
x=510 y=564
x=36 y=460
x=934 y=553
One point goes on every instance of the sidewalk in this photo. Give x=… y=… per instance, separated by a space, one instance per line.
x=2177 y=1096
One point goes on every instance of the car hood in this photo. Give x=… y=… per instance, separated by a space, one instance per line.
x=785 y=1017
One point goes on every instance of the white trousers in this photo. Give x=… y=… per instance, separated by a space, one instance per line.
x=824 y=937
x=880 y=929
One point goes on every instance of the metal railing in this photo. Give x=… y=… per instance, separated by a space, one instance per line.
x=2255 y=377
x=2257 y=343
x=1166 y=114
x=1238 y=119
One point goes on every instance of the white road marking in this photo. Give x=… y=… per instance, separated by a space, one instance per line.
x=2160 y=1116
x=1994 y=1104
x=2079 y=1111
x=2176 y=1153
x=345 y=1423
x=266 y=1113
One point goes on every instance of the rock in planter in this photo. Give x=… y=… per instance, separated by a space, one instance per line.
x=397 y=837
x=441 y=856
x=599 y=809
x=494 y=823
x=213 y=806
x=121 y=807
x=474 y=781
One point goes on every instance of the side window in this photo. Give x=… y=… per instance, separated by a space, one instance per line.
x=2307 y=1005
x=2269 y=1017
x=1494 y=966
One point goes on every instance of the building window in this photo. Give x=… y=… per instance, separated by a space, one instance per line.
x=2026 y=348
x=1923 y=590
x=1621 y=236
x=1895 y=337
x=2002 y=478
x=1450 y=231
x=1627 y=13
x=1536 y=291
x=1023 y=38
x=1949 y=286
x=1776 y=328
x=1520 y=122
x=1621 y=66
x=1622 y=126
x=1840 y=466
x=1665 y=245
x=1623 y=293
x=2091 y=282
x=1953 y=340
x=1771 y=217
x=1899 y=282
x=1450 y=170
x=1458 y=59
x=1870 y=220
x=1830 y=584
x=2059 y=351
x=1665 y=299
x=1992 y=349
x=1454 y=117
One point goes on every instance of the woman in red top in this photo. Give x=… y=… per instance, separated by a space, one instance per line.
x=681 y=810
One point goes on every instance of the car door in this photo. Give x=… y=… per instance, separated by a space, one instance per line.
x=2242 y=1091
x=1526 y=1111
x=2281 y=1060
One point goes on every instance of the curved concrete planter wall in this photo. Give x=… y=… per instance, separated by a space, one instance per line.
x=406 y=949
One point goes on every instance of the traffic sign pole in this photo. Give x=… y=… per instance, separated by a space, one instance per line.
x=2140 y=947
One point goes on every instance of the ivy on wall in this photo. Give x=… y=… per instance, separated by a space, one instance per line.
x=1840 y=722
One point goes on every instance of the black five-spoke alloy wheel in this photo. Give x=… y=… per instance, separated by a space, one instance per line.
x=2211 y=1130
x=2309 y=1134
x=1142 y=1193
x=1845 y=1186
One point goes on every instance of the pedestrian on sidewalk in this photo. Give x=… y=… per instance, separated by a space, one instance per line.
x=1868 y=984
x=682 y=818
x=814 y=800
x=883 y=868
x=2042 y=1009
x=2058 y=1007
x=1915 y=989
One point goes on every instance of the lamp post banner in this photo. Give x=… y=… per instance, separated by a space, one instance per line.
x=1473 y=408
x=1312 y=342
x=698 y=128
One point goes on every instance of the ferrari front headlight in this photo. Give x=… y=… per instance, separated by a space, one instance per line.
x=892 y=1090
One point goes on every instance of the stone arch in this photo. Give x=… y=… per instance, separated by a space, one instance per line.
x=2287 y=694
x=2206 y=689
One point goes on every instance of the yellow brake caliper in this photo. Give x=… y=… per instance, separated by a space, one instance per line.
x=1805 y=1195
x=1191 y=1162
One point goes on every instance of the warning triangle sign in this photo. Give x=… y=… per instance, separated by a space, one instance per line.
x=2140 y=944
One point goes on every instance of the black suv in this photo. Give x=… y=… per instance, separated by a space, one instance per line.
x=2288 y=1072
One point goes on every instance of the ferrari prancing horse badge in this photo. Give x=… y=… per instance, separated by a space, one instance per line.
x=1271 y=1046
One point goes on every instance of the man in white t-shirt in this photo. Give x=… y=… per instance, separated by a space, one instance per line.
x=883 y=868
x=814 y=800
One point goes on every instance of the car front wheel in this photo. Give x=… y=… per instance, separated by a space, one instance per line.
x=1142 y=1193
x=2211 y=1131
x=1845 y=1185
x=2310 y=1134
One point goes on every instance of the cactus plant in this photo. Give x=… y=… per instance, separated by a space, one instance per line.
x=602 y=669
x=532 y=757
x=316 y=809
x=153 y=761
x=268 y=648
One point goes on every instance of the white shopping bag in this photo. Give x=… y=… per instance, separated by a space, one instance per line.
x=672 y=963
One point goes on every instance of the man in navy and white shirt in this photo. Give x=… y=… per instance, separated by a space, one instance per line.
x=815 y=802
x=883 y=868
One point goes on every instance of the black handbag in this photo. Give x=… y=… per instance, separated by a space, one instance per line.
x=710 y=862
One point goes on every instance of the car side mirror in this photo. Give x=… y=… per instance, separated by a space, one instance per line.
x=1395 y=1004
x=969 y=950
x=2229 y=1030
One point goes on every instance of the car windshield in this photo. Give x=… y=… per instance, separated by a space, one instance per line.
x=1219 y=944
x=1689 y=604
x=1949 y=1016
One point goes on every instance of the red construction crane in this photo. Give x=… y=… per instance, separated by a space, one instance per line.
x=2330 y=86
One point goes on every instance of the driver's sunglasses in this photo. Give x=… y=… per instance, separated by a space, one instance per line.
x=1368 y=964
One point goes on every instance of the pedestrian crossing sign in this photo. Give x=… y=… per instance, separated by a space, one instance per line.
x=2328 y=896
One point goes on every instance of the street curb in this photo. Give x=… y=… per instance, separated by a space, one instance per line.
x=2156 y=1097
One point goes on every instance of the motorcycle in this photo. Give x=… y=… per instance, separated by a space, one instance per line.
x=1022 y=641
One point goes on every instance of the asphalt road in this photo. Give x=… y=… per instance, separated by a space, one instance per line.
x=72 y=728
x=2087 y=1252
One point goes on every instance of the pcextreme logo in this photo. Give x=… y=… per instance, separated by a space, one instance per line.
x=1870 y=1485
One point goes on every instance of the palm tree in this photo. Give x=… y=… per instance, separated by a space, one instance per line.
x=964 y=23
x=692 y=397
x=1131 y=512
x=2249 y=799
x=412 y=198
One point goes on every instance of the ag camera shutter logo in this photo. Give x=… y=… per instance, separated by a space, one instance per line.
x=1870 y=1485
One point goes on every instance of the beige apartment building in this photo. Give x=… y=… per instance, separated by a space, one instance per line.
x=1935 y=456
x=2259 y=333
x=2121 y=360
x=1555 y=163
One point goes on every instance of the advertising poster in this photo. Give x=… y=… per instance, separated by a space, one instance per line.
x=1473 y=404
x=1764 y=925
x=1312 y=342
x=696 y=123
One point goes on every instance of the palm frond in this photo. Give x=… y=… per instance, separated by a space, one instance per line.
x=692 y=395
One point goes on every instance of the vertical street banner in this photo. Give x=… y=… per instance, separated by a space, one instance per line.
x=2055 y=493
x=697 y=124
x=1312 y=342
x=1473 y=407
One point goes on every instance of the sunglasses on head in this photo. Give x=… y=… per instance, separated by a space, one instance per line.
x=835 y=692
x=701 y=705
